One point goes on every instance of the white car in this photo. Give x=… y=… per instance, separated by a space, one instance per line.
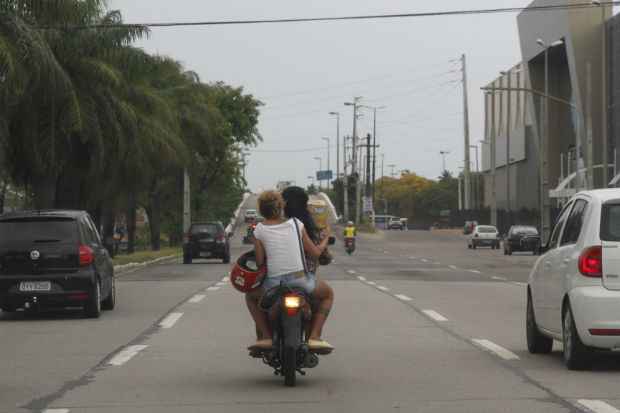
x=483 y=236
x=250 y=215
x=573 y=292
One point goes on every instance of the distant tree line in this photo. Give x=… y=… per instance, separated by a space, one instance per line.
x=90 y=121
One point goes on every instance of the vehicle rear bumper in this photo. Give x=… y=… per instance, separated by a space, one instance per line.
x=66 y=289
x=596 y=307
x=485 y=241
x=217 y=251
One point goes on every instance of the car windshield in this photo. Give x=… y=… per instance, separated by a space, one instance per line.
x=487 y=230
x=28 y=231
x=610 y=223
x=211 y=229
x=526 y=231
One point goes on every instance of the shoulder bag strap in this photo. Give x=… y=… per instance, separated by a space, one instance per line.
x=301 y=247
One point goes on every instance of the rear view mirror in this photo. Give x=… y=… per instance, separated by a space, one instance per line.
x=332 y=241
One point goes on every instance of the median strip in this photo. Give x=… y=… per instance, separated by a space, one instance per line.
x=597 y=406
x=170 y=320
x=126 y=354
x=496 y=349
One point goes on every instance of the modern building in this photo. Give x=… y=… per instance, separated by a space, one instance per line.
x=545 y=113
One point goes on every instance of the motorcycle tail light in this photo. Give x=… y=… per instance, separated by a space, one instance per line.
x=292 y=303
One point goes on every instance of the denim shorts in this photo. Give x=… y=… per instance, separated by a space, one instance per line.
x=307 y=282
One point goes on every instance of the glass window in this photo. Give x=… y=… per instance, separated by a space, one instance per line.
x=574 y=223
x=93 y=229
x=610 y=222
x=210 y=229
x=487 y=230
x=555 y=235
x=35 y=230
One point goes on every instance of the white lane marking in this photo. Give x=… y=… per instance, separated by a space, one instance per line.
x=226 y=279
x=496 y=349
x=475 y=271
x=221 y=284
x=56 y=411
x=520 y=284
x=359 y=277
x=500 y=278
x=413 y=258
x=371 y=283
x=213 y=288
x=424 y=260
x=351 y=272
x=196 y=299
x=403 y=297
x=170 y=320
x=382 y=288
x=453 y=267
x=126 y=354
x=434 y=315
x=597 y=406
x=385 y=252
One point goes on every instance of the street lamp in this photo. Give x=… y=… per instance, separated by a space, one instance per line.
x=337 y=115
x=311 y=178
x=443 y=156
x=374 y=145
x=328 y=158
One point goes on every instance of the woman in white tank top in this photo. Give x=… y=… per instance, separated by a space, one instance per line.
x=277 y=243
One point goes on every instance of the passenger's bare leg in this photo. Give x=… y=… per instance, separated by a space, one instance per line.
x=324 y=294
x=260 y=318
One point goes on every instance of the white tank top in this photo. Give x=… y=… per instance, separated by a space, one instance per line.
x=281 y=247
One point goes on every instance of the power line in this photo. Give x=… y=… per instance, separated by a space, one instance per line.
x=290 y=150
x=584 y=5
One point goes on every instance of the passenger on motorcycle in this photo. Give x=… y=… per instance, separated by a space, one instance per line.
x=277 y=243
x=296 y=206
x=350 y=231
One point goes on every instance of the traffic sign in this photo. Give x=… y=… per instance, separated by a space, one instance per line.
x=324 y=175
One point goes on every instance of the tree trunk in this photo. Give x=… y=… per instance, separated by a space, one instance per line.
x=154 y=212
x=131 y=223
x=44 y=192
x=109 y=218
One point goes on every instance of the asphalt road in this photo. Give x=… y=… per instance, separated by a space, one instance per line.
x=421 y=324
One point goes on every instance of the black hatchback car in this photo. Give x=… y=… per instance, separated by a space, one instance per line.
x=206 y=240
x=54 y=259
x=522 y=238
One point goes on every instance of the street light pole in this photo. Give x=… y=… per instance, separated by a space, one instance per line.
x=443 y=160
x=508 y=128
x=318 y=158
x=355 y=105
x=337 y=114
x=328 y=158
x=604 y=104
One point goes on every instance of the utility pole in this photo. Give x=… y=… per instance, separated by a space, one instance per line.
x=443 y=160
x=589 y=137
x=355 y=173
x=392 y=166
x=508 y=127
x=374 y=158
x=345 y=182
x=493 y=163
x=466 y=171
x=187 y=212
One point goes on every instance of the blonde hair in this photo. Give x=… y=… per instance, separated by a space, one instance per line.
x=270 y=204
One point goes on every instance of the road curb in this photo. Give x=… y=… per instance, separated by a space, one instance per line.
x=123 y=269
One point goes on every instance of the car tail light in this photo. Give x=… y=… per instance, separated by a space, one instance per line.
x=87 y=256
x=186 y=238
x=591 y=262
x=605 y=332
x=292 y=303
x=220 y=238
x=79 y=297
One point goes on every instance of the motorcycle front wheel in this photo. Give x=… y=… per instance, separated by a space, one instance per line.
x=289 y=368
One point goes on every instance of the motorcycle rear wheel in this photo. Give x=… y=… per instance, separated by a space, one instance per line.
x=289 y=368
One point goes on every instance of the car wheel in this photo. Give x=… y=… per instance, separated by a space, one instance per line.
x=473 y=245
x=536 y=342
x=509 y=251
x=110 y=302
x=226 y=259
x=93 y=305
x=468 y=245
x=575 y=352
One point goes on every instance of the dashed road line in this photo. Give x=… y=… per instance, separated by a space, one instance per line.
x=371 y=283
x=499 y=278
x=382 y=288
x=424 y=260
x=413 y=258
x=221 y=284
x=403 y=297
x=126 y=354
x=434 y=315
x=496 y=349
x=170 y=320
x=519 y=284
x=475 y=271
x=226 y=279
x=56 y=411
x=213 y=288
x=352 y=272
x=196 y=299
x=597 y=406
x=453 y=267
x=359 y=277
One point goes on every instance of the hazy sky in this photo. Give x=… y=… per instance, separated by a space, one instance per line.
x=303 y=71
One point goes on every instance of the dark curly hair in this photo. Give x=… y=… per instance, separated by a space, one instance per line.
x=296 y=206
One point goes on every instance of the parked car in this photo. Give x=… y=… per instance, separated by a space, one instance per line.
x=206 y=240
x=54 y=259
x=469 y=227
x=522 y=238
x=573 y=293
x=250 y=215
x=396 y=223
x=483 y=236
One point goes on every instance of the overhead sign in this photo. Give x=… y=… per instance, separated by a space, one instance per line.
x=324 y=175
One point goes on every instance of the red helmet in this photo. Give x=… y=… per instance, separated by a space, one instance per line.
x=245 y=275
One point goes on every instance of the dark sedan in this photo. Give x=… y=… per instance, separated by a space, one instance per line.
x=206 y=240
x=522 y=238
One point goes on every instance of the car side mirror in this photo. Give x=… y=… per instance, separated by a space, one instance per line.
x=331 y=241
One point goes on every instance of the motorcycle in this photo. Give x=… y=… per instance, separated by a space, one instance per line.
x=249 y=236
x=349 y=245
x=289 y=312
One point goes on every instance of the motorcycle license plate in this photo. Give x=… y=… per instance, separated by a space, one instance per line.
x=32 y=286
